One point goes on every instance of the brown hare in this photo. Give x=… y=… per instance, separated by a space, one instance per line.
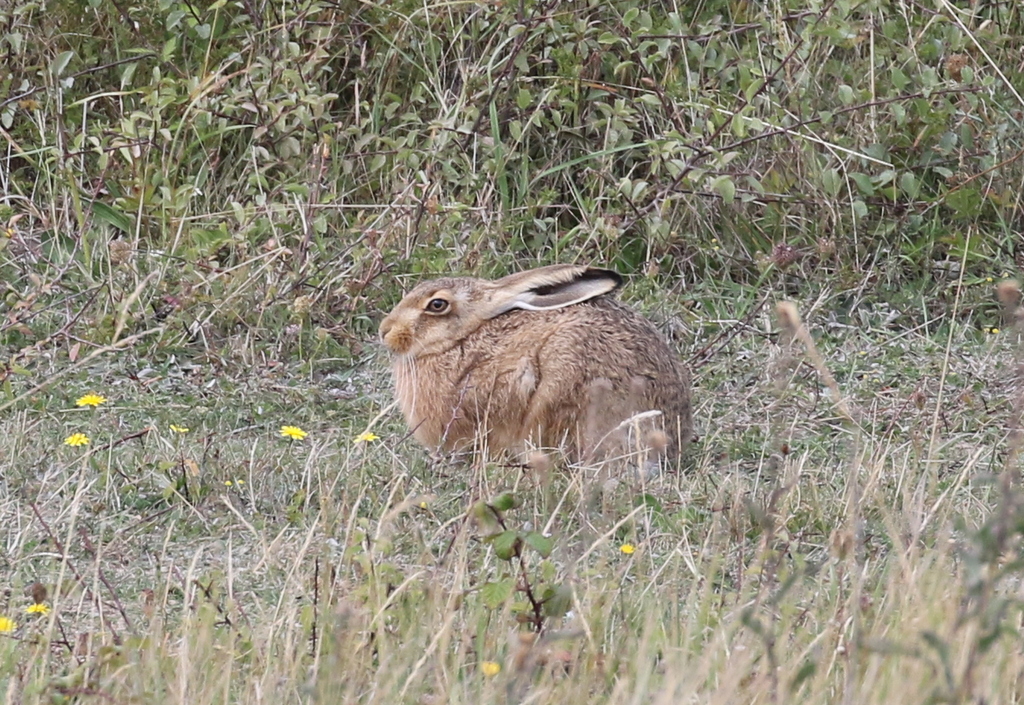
x=543 y=356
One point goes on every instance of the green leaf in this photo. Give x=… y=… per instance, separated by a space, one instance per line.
x=910 y=185
x=540 y=543
x=61 y=62
x=110 y=216
x=169 y=48
x=899 y=113
x=899 y=79
x=524 y=99
x=495 y=594
x=557 y=600
x=831 y=183
x=739 y=125
x=547 y=571
x=506 y=544
x=173 y=18
x=589 y=156
x=651 y=502
x=965 y=202
x=725 y=188
x=505 y=501
x=651 y=100
x=863 y=182
x=485 y=516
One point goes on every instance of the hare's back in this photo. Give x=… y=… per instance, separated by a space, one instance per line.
x=598 y=339
x=607 y=331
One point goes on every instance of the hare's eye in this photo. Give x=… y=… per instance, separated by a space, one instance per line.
x=437 y=305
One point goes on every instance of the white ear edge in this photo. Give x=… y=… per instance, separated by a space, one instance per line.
x=525 y=302
x=548 y=289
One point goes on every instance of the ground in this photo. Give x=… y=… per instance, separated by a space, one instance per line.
x=205 y=212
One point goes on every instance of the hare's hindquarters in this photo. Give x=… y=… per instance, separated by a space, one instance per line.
x=599 y=368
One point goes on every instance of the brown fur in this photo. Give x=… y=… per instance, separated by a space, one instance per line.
x=563 y=376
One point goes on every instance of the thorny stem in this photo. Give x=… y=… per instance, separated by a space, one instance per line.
x=537 y=620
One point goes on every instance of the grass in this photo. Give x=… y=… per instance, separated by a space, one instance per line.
x=232 y=563
x=206 y=212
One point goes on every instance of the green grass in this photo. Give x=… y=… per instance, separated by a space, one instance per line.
x=206 y=211
x=338 y=570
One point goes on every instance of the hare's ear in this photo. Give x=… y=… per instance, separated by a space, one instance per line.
x=551 y=287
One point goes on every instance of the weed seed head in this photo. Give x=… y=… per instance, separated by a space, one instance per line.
x=539 y=463
x=37 y=591
x=789 y=316
x=120 y=252
x=657 y=441
x=1008 y=292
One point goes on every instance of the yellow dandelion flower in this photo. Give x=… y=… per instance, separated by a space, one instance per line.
x=239 y=482
x=993 y=331
x=228 y=483
x=179 y=429
x=38 y=608
x=490 y=668
x=293 y=432
x=92 y=400
x=627 y=548
x=423 y=505
x=366 y=437
x=76 y=439
x=7 y=625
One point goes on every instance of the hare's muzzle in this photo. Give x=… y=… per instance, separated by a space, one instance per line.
x=396 y=337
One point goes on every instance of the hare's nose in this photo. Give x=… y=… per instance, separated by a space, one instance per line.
x=385 y=326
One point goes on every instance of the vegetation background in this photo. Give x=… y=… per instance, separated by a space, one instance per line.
x=207 y=207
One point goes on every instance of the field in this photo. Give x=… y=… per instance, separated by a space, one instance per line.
x=207 y=495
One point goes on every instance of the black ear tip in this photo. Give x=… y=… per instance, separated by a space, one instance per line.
x=593 y=273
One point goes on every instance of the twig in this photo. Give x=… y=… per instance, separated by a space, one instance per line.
x=699 y=357
x=74 y=571
x=83 y=72
x=92 y=550
x=974 y=177
x=122 y=439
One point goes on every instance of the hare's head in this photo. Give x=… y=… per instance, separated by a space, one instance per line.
x=438 y=314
